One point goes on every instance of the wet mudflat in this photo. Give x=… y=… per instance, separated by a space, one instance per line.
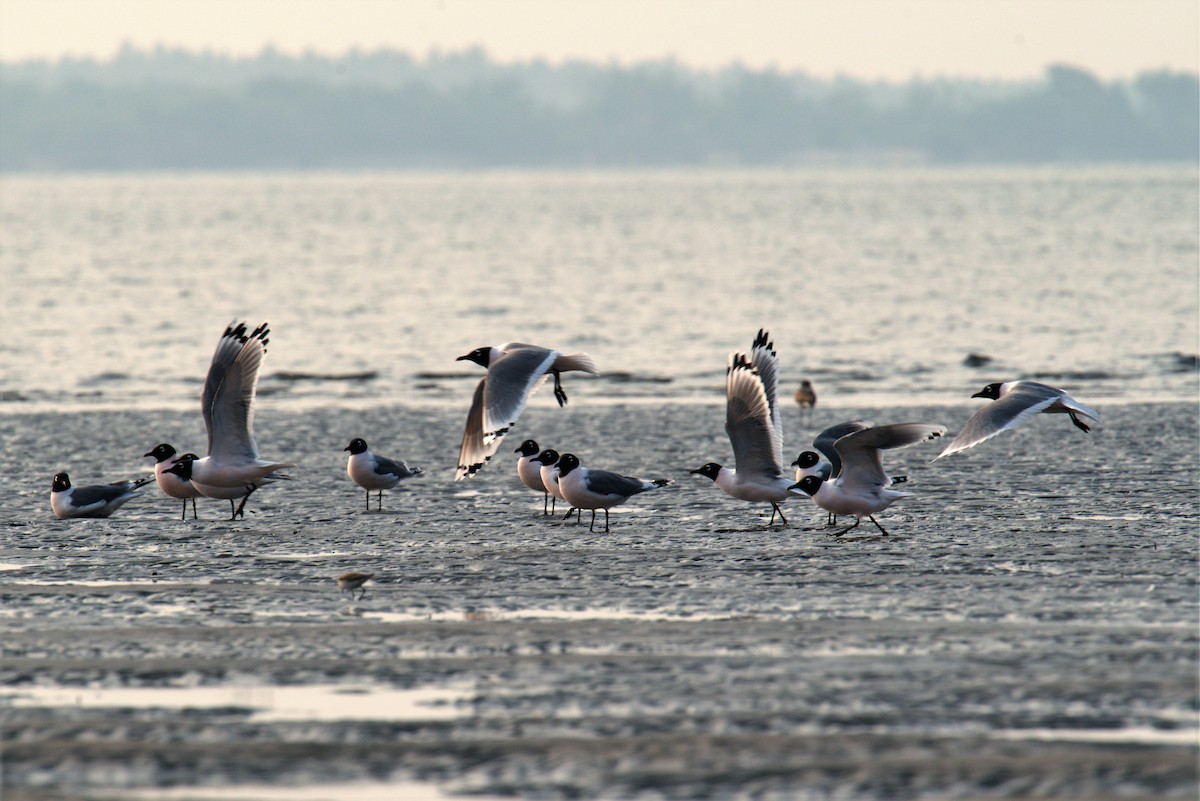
x=1028 y=629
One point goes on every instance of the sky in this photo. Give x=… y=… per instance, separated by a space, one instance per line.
x=892 y=40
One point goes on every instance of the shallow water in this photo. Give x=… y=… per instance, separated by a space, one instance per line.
x=875 y=284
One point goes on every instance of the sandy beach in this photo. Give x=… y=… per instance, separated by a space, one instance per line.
x=1028 y=630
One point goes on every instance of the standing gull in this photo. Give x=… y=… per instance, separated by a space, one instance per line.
x=173 y=484
x=1014 y=402
x=373 y=472
x=548 y=461
x=861 y=487
x=92 y=500
x=529 y=470
x=228 y=407
x=588 y=488
x=755 y=428
x=514 y=371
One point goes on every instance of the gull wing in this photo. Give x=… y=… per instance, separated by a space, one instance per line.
x=228 y=398
x=757 y=444
x=474 y=453
x=605 y=482
x=765 y=361
x=823 y=442
x=511 y=379
x=862 y=460
x=1023 y=401
x=98 y=494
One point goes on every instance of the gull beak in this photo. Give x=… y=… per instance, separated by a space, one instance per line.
x=979 y=395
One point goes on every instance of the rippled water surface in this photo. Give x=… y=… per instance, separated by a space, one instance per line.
x=872 y=282
x=1028 y=630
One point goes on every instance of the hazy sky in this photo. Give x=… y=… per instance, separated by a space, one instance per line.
x=891 y=39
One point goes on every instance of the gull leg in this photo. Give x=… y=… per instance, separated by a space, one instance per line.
x=606 y=520
x=1082 y=426
x=379 y=501
x=193 y=509
x=368 y=500
x=775 y=508
x=560 y=394
x=857 y=520
x=592 y=527
x=184 y=516
x=876 y=522
x=241 y=510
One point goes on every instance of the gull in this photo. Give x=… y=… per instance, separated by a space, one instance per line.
x=589 y=488
x=228 y=407
x=92 y=500
x=755 y=428
x=529 y=470
x=548 y=459
x=172 y=484
x=373 y=472
x=825 y=462
x=183 y=469
x=514 y=372
x=1014 y=402
x=349 y=582
x=862 y=488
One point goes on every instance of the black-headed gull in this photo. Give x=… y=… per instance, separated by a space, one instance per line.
x=861 y=487
x=92 y=500
x=548 y=468
x=176 y=486
x=589 y=488
x=1014 y=402
x=529 y=470
x=372 y=472
x=824 y=461
x=755 y=428
x=514 y=371
x=227 y=404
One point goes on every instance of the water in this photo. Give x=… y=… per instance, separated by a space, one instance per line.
x=875 y=284
x=1028 y=630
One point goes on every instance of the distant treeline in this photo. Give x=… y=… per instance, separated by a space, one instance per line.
x=169 y=109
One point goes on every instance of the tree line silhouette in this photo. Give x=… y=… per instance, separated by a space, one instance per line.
x=171 y=109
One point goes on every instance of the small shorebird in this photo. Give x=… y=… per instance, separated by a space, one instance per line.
x=91 y=500
x=514 y=372
x=1014 y=402
x=172 y=484
x=861 y=487
x=755 y=428
x=588 y=488
x=349 y=582
x=373 y=472
x=806 y=399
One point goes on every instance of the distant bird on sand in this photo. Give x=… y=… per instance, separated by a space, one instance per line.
x=227 y=403
x=862 y=488
x=588 y=488
x=755 y=428
x=514 y=372
x=349 y=582
x=92 y=500
x=806 y=399
x=1016 y=401
x=529 y=470
x=173 y=484
x=373 y=472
